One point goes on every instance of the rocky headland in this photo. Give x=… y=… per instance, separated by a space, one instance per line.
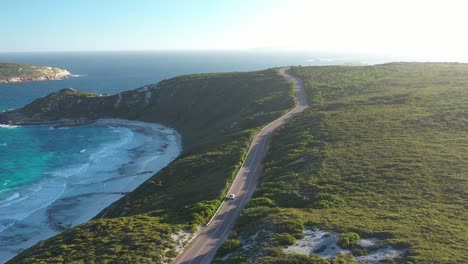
x=14 y=73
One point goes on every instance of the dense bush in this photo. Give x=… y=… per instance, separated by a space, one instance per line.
x=344 y=259
x=171 y=253
x=348 y=240
x=261 y=201
x=229 y=246
x=202 y=211
x=291 y=226
x=285 y=239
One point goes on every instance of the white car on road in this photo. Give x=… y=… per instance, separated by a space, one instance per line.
x=231 y=197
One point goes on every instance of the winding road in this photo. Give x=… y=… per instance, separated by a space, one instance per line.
x=203 y=247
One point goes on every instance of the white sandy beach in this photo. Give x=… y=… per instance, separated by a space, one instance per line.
x=76 y=194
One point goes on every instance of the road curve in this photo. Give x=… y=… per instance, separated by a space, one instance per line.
x=203 y=248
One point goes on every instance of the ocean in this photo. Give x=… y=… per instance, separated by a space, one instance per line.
x=54 y=178
x=113 y=72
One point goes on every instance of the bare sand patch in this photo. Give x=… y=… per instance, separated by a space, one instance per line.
x=325 y=244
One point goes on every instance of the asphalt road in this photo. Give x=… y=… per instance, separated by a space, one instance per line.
x=203 y=247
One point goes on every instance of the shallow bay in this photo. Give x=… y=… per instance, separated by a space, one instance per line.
x=60 y=177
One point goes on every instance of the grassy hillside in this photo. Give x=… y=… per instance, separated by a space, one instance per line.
x=12 y=72
x=382 y=153
x=200 y=106
x=216 y=114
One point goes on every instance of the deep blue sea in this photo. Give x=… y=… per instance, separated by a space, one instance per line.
x=41 y=164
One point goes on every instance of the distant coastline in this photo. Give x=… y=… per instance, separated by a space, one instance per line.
x=16 y=73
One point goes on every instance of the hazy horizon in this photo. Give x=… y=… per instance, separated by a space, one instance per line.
x=430 y=30
x=361 y=57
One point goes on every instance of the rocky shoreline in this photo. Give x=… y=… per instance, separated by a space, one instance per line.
x=21 y=120
x=14 y=117
x=41 y=74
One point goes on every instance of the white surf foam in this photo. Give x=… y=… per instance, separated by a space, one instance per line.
x=5 y=226
x=7 y=126
x=74 y=194
x=13 y=196
x=70 y=171
x=78 y=75
x=29 y=201
x=11 y=202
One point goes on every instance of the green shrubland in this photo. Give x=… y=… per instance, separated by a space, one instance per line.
x=101 y=241
x=381 y=153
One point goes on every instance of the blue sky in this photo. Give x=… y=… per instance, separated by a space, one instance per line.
x=429 y=28
x=122 y=25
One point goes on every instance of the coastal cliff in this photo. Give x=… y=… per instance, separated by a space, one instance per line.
x=14 y=73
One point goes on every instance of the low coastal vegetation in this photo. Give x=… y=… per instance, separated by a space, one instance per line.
x=381 y=155
x=216 y=114
x=108 y=239
x=12 y=72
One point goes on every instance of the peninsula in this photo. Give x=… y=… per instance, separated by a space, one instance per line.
x=372 y=171
x=14 y=73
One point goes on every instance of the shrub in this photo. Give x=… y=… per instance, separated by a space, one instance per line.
x=229 y=246
x=274 y=251
x=295 y=259
x=292 y=226
x=202 y=211
x=261 y=201
x=344 y=259
x=285 y=239
x=348 y=240
x=171 y=253
x=193 y=228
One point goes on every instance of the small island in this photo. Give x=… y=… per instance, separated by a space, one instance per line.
x=14 y=73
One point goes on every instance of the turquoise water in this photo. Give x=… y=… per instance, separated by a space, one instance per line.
x=30 y=153
x=54 y=178
x=33 y=157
